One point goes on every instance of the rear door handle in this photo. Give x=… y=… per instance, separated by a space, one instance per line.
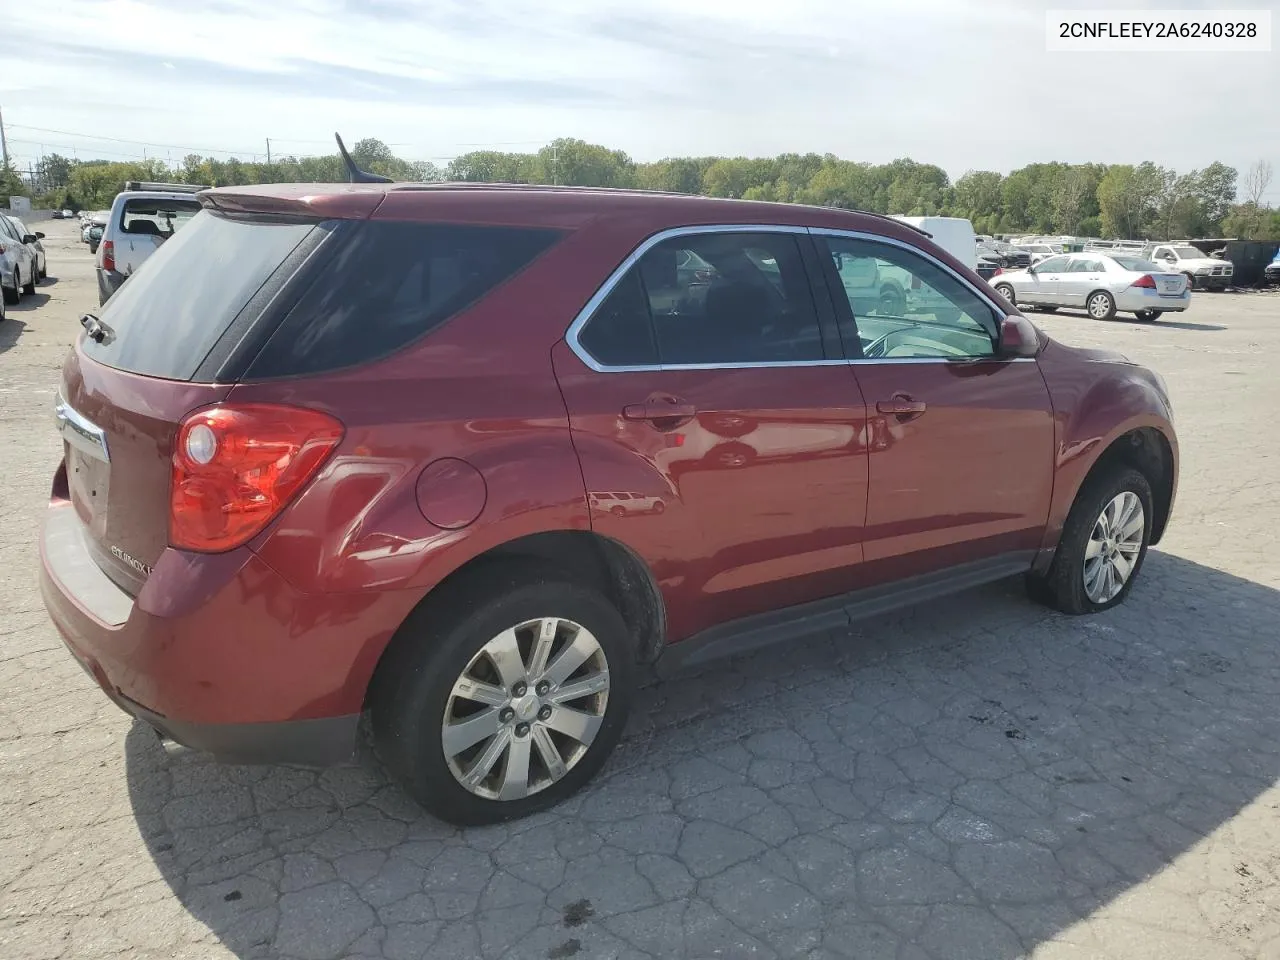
x=902 y=406
x=664 y=412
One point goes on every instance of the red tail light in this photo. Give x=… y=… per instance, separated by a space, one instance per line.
x=108 y=255
x=997 y=271
x=236 y=467
x=1146 y=281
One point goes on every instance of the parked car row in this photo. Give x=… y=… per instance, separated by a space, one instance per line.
x=92 y=224
x=22 y=261
x=1103 y=284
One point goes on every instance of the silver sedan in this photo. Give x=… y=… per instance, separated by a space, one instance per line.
x=1103 y=284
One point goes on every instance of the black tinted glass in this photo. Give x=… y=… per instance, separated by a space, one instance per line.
x=167 y=316
x=731 y=298
x=620 y=333
x=389 y=284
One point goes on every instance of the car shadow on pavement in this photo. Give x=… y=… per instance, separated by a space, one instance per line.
x=1184 y=325
x=1160 y=322
x=31 y=301
x=973 y=776
x=11 y=328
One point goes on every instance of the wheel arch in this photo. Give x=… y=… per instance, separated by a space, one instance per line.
x=598 y=561
x=1145 y=446
x=1148 y=451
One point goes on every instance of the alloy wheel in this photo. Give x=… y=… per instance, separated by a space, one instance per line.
x=1099 y=306
x=526 y=709
x=1114 y=547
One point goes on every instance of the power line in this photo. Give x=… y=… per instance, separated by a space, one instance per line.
x=138 y=143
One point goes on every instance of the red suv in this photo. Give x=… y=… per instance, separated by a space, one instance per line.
x=458 y=458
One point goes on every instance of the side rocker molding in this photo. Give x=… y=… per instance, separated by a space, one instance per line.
x=797 y=623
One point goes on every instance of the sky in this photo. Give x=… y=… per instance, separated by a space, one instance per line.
x=965 y=84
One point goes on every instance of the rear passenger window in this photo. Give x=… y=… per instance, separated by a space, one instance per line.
x=709 y=299
x=389 y=284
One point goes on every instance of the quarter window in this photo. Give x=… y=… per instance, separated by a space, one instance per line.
x=390 y=283
x=709 y=298
x=903 y=305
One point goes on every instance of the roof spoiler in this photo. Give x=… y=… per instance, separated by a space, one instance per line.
x=354 y=173
x=131 y=185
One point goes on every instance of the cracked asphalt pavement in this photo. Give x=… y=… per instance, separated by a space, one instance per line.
x=975 y=778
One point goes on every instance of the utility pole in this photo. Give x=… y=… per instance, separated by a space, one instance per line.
x=4 y=144
x=268 y=151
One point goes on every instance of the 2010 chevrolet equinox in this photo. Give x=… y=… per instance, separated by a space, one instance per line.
x=458 y=458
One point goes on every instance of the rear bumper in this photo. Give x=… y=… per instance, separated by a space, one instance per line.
x=108 y=283
x=219 y=652
x=1133 y=299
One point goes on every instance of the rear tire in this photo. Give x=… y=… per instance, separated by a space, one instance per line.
x=446 y=644
x=1066 y=586
x=1148 y=316
x=12 y=294
x=1100 y=305
x=1006 y=291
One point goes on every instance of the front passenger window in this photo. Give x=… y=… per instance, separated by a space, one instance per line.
x=906 y=306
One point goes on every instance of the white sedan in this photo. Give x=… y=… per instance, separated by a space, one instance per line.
x=1103 y=284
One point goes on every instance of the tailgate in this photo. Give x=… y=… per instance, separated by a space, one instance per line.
x=117 y=431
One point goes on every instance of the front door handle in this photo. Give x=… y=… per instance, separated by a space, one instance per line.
x=902 y=406
x=663 y=411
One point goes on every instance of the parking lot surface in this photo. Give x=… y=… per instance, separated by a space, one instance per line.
x=976 y=778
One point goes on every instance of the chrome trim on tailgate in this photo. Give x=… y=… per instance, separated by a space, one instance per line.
x=75 y=429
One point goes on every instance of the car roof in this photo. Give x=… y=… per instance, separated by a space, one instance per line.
x=534 y=204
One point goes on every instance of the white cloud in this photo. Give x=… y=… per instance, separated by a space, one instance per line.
x=962 y=83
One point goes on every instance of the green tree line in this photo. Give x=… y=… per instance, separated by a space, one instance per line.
x=1127 y=201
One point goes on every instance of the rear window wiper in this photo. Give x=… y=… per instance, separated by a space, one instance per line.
x=95 y=329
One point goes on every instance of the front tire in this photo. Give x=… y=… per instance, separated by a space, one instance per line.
x=12 y=295
x=29 y=287
x=1101 y=305
x=504 y=697
x=1006 y=291
x=1103 y=545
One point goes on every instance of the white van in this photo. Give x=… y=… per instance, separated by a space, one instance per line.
x=953 y=234
x=142 y=217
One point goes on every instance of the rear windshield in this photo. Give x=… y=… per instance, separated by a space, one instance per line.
x=166 y=317
x=153 y=216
